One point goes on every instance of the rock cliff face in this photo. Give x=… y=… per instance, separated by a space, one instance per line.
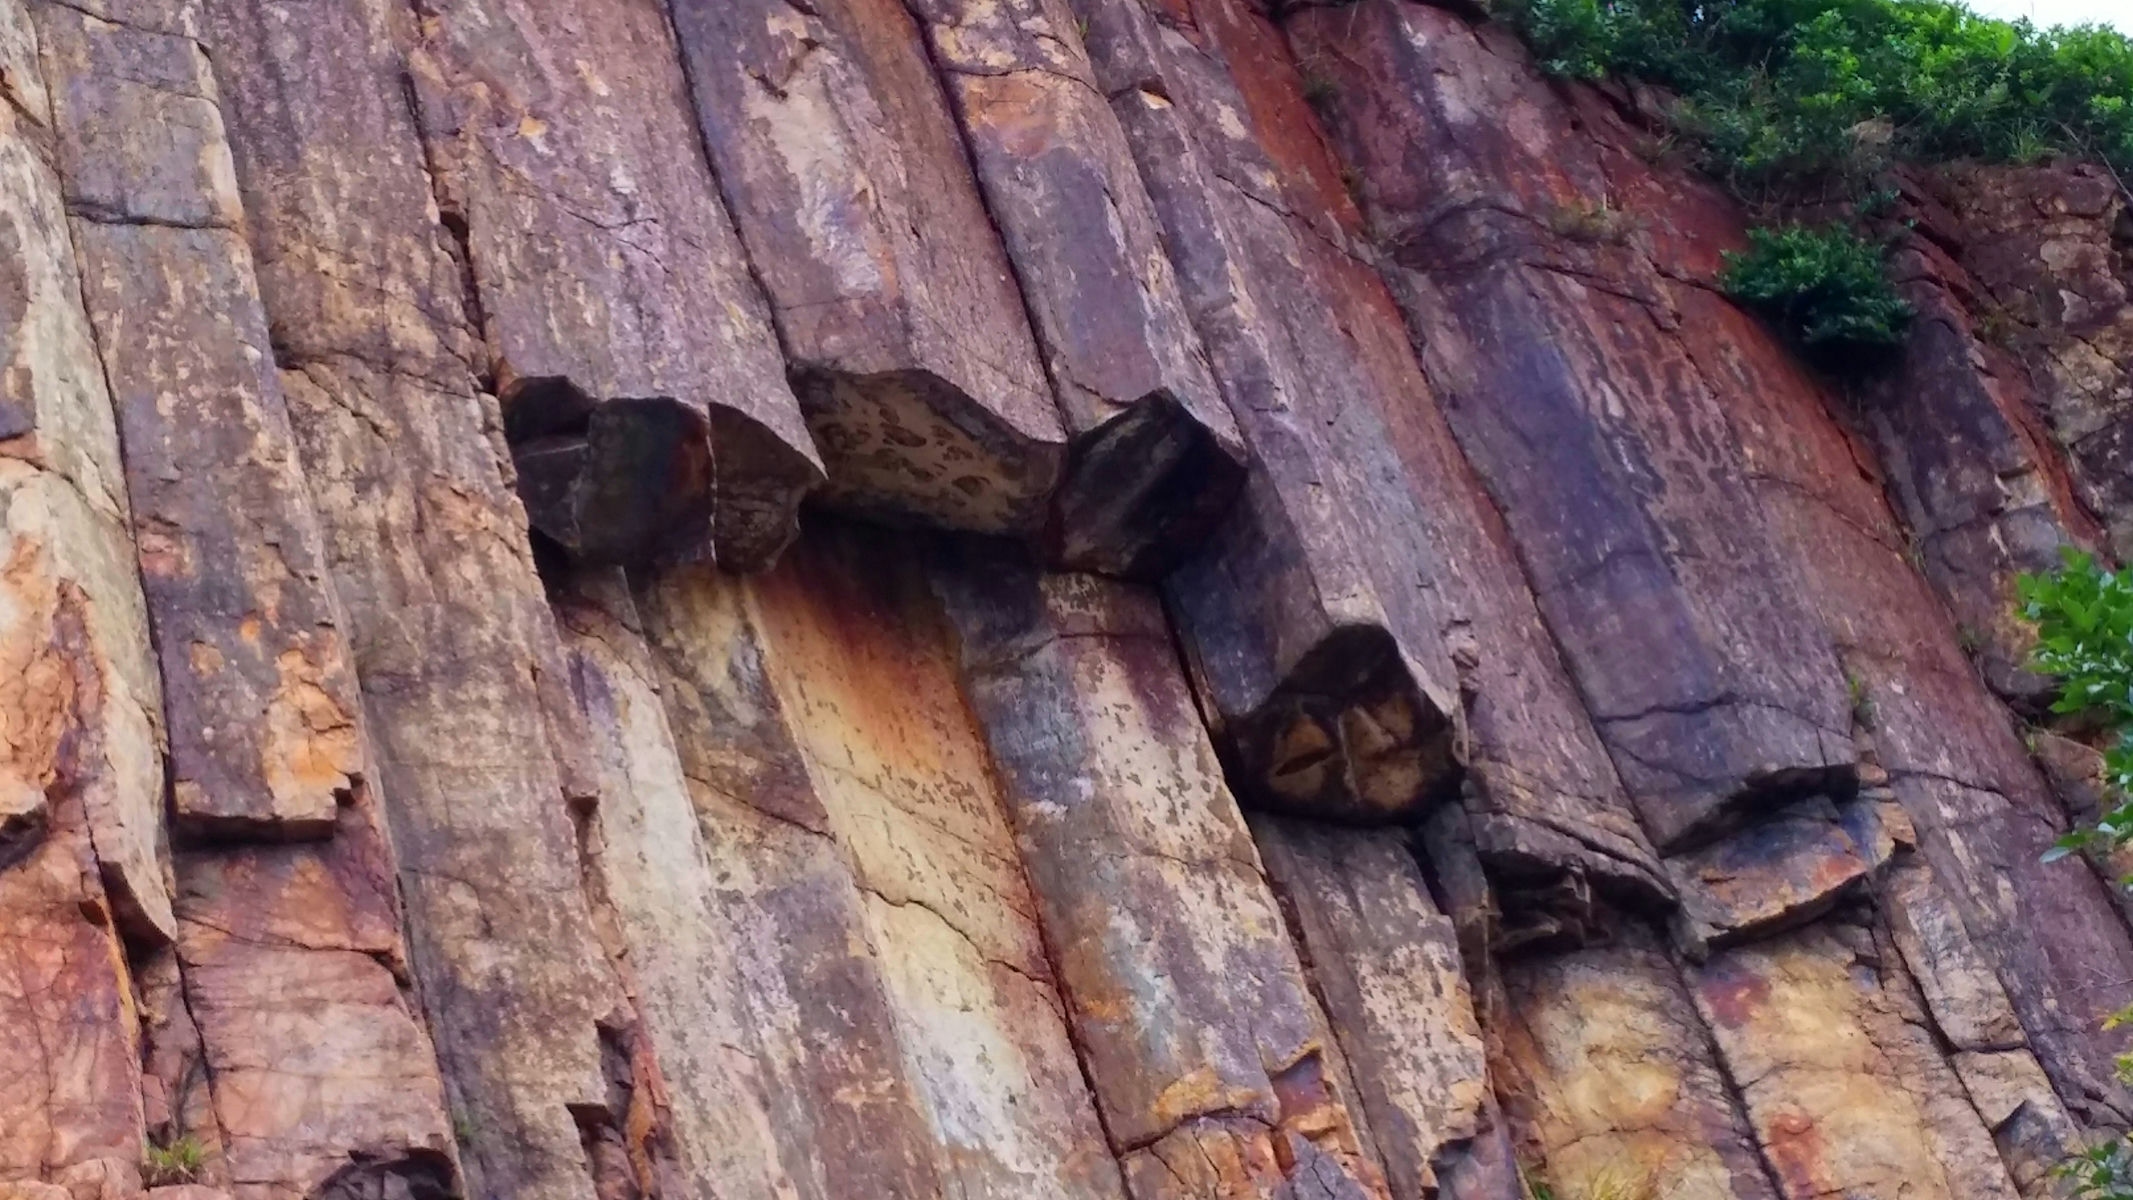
x=1010 y=600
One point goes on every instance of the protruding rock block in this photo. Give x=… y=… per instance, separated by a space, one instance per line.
x=1786 y=869
x=259 y=691
x=1192 y=1013
x=1387 y=963
x=628 y=344
x=1570 y=381
x=1157 y=456
x=1845 y=1085
x=1609 y=1079
x=902 y=322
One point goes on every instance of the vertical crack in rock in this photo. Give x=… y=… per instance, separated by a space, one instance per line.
x=629 y=344
x=902 y=321
x=1157 y=459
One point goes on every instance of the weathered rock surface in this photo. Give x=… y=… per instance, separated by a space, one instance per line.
x=901 y=319
x=1626 y=716
x=639 y=378
x=1157 y=457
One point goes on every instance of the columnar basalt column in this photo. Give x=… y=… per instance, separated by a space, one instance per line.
x=641 y=385
x=901 y=319
x=1193 y=1018
x=1568 y=378
x=1157 y=457
x=453 y=642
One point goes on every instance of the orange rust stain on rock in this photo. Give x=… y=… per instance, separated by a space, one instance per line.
x=1735 y=993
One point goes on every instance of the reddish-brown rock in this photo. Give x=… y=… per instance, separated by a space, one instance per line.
x=1567 y=373
x=640 y=381
x=902 y=322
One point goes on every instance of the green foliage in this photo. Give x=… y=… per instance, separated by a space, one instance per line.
x=2104 y=1172
x=1783 y=92
x=2084 y=619
x=1825 y=288
x=176 y=1163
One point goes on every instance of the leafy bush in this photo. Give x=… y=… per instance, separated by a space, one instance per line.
x=1781 y=93
x=2084 y=619
x=2103 y=1172
x=1825 y=288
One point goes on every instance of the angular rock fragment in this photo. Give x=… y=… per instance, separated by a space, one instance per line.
x=1157 y=457
x=257 y=684
x=638 y=375
x=1569 y=379
x=1191 y=1012
x=902 y=322
x=1786 y=869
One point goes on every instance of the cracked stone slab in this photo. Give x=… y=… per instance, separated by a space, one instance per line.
x=1157 y=456
x=633 y=355
x=902 y=321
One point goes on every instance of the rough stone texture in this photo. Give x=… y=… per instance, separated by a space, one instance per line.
x=638 y=374
x=80 y=705
x=310 y=1052
x=451 y=636
x=1785 y=870
x=1847 y=1091
x=1387 y=963
x=847 y=1121
x=902 y=322
x=899 y=766
x=2047 y=251
x=1982 y=492
x=1568 y=375
x=1190 y=1008
x=686 y=949
x=256 y=679
x=1609 y=1078
x=1158 y=458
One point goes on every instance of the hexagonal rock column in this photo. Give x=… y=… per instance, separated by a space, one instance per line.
x=641 y=385
x=256 y=678
x=1157 y=457
x=451 y=634
x=902 y=322
x=1573 y=390
x=1192 y=1014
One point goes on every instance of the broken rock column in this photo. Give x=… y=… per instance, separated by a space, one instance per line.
x=1157 y=456
x=641 y=386
x=1191 y=1012
x=902 y=322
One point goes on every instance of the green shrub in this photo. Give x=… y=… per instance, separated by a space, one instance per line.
x=1824 y=288
x=179 y=1162
x=1783 y=94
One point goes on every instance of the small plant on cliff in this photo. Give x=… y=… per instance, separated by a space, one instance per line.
x=177 y=1162
x=2103 y=1172
x=1824 y=288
